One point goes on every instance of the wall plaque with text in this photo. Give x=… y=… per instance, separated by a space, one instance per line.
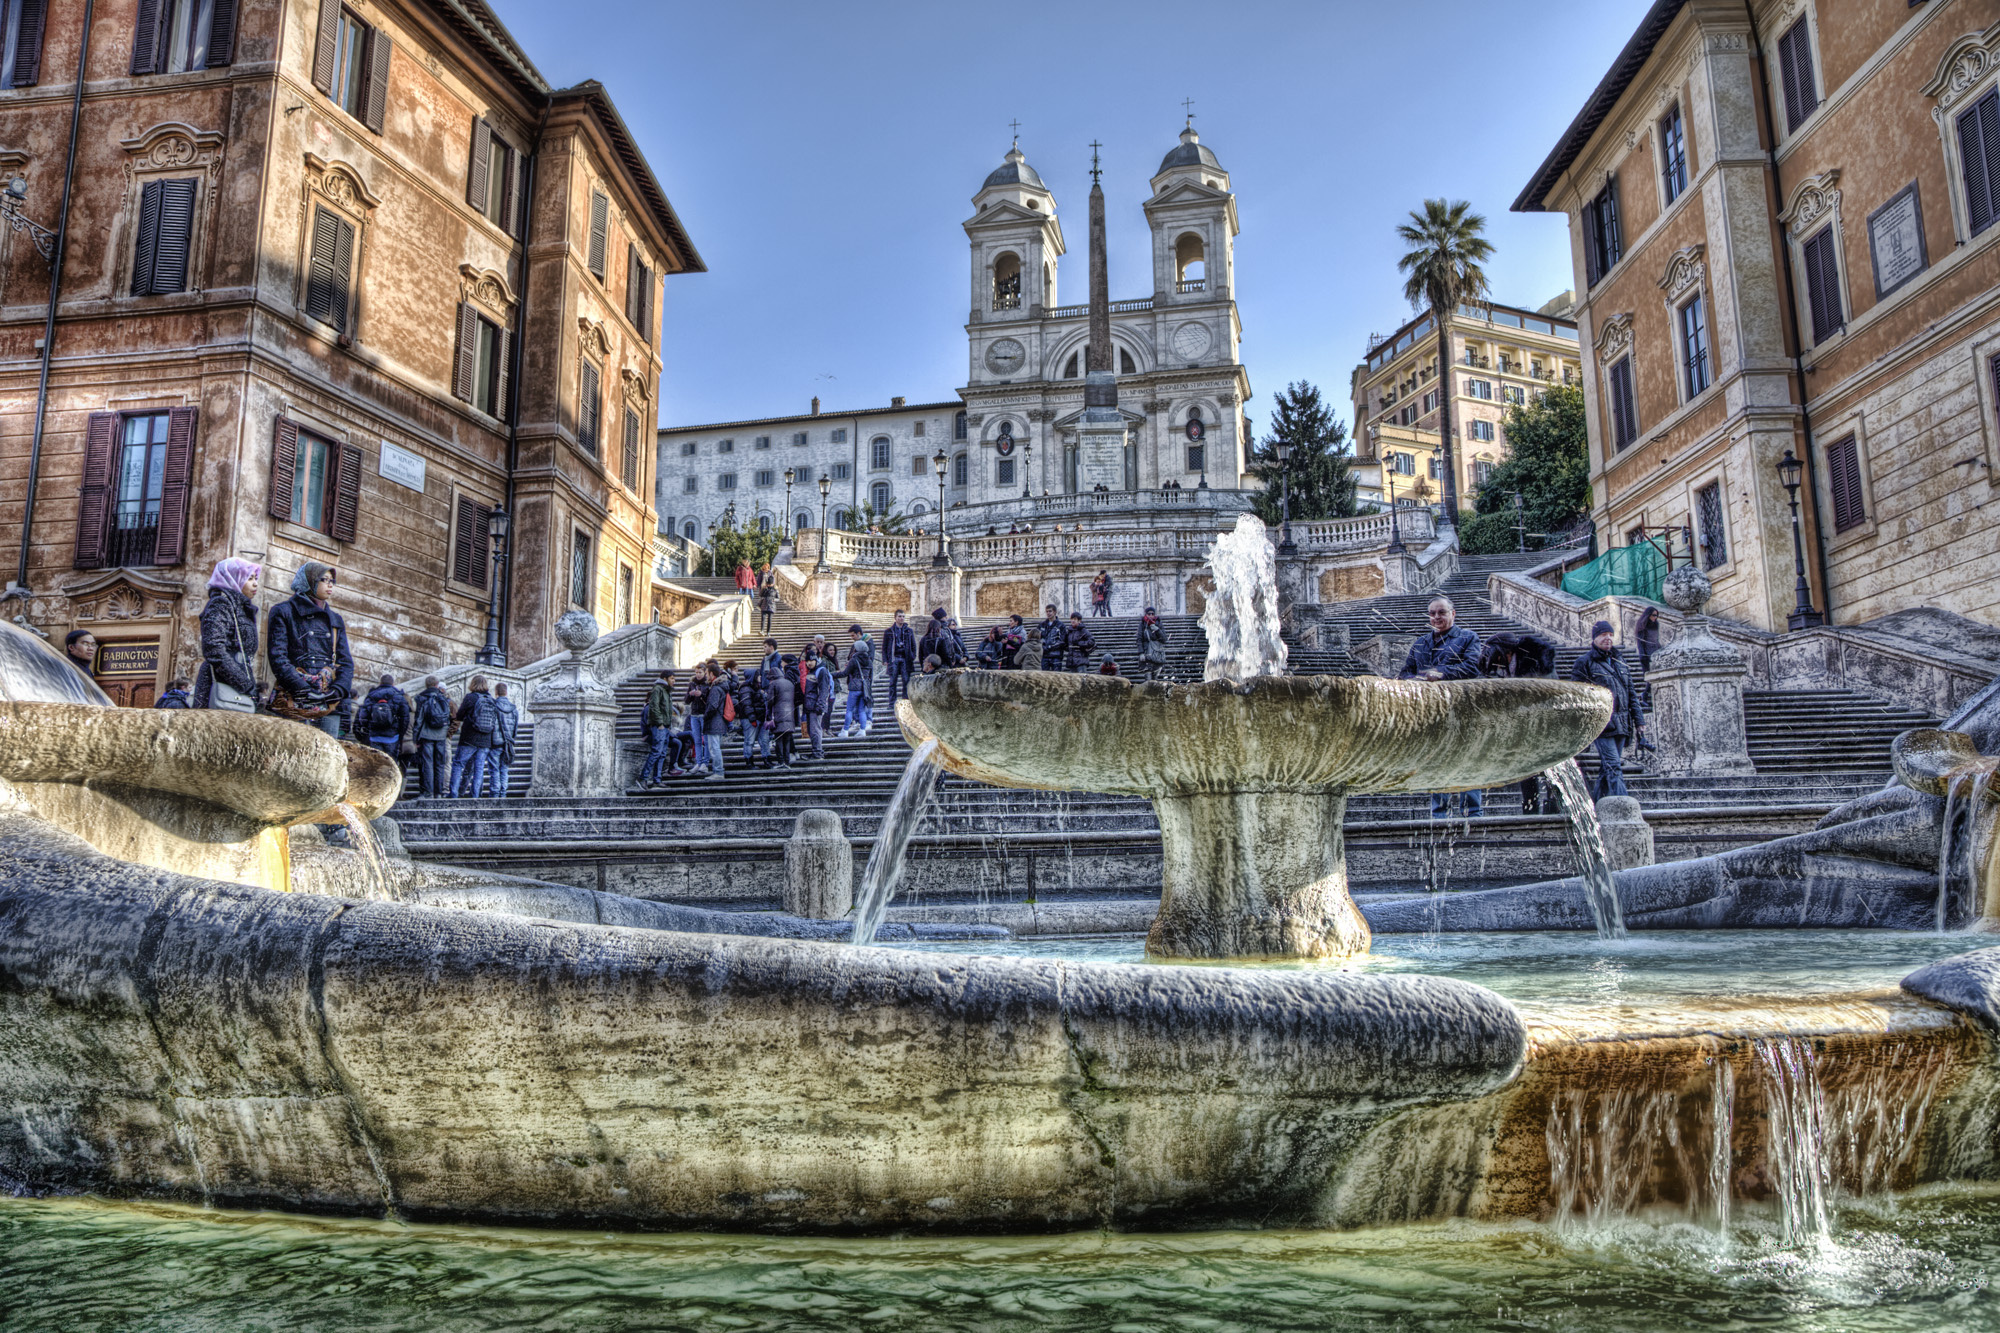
x=1896 y=240
x=399 y=465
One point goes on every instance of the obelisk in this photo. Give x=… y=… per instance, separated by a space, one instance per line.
x=1100 y=433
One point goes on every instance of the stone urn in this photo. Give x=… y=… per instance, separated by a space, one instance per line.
x=1250 y=781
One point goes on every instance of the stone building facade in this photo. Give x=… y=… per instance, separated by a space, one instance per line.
x=1502 y=356
x=1011 y=433
x=340 y=279
x=1786 y=226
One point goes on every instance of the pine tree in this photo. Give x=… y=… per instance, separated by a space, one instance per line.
x=1321 y=466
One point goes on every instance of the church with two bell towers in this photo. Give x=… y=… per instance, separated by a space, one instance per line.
x=1174 y=349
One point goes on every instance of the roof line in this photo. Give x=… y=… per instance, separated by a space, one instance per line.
x=829 y=417
x=1623 y=70
x=593 y=93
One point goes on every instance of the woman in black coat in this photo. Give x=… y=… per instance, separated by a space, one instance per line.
x=229 y=638
x=312 y=667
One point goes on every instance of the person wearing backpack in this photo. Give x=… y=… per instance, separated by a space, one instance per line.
x=383 y=718
x=478 y=738
x=176 y=695
x=510 y=723
x=432 y=724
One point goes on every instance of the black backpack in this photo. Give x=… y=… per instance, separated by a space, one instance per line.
x=381 y=720
x=436 y=710
x=484 y=718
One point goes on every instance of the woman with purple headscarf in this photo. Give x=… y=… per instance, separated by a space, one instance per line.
x=229 y=638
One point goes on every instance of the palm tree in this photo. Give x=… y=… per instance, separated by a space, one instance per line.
x=1443 y=268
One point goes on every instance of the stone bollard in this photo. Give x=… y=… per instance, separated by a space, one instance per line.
x=576 y=740
x=1697 y=688
x=819 y=867
x=1628 y=838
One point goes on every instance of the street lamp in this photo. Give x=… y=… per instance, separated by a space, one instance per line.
x=1803 y=615
x=825 y=485
x=1520 y=520
x=1285 y=546
x=1027 y=469
x=784 y=527
x=497 y=524
x=1396 y=546
x=942 y=559
x=11 y=197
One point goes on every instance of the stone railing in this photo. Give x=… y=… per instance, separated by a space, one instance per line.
x=1856 y=657
x=675 y=556
x=974 y=519
x=1031 y=548
x=1416 y=525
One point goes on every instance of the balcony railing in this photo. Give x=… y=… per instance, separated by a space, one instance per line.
x=1186 y=285
x=1478 y=362
x=1007 y=301
x=135 y=538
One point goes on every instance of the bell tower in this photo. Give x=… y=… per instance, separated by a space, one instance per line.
x=1015 y=242
x=1193 y=217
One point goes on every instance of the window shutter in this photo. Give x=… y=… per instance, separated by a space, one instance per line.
x=600 y=209
x=28 y=44
x=375 y=97
x=631 y=459
x=174 y=235
x=1796 y=73
x=1593 y=244
x=145 y=254
x=284 y=468
x=468 y=548
x=170 y=545
x=1843 y=470
x=503 y=373
x=146 y=38
x=587 y=408
x=466 y=364
x=631 y=283
x=646 y=307
x=1979 y=156
x=343 y=269
x=222 y=35
x=323 y=45
x=346 y=505
x=479 y=177
x=1614 y=236
x=320 y=268
x=516 y=221
x=509 y=167
x=1823 y=284
x=93 y=511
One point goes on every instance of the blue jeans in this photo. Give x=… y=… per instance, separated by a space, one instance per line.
x=860 y=707
x=470 y=766
x=1475 y=804
x=1610 y=769
x=656 y=760
x=756 y=740
x=714 y=740
x=899 y=674
x=694 y=734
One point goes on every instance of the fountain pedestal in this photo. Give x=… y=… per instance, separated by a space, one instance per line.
x=1255 y=874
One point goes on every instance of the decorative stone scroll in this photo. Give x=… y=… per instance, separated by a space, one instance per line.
x=1814 y=199
x=173 y=147
x=595 y=339
x=487 y=289
x=1684 y=270
x=1615 y=336
x=1965 y=64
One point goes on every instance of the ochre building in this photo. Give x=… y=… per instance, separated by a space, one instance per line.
x=340 y=280
x=1786 y=224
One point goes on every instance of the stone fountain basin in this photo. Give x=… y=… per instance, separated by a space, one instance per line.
x=1055 y=731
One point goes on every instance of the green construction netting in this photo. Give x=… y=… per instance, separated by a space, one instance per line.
x=1627 y=571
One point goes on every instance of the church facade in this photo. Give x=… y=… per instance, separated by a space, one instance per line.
x=1012 y=433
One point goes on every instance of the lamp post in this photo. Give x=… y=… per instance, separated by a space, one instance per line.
x=1520 y=521
x=11 y=198
x=825 y=486
x=1803 y=616
x=1285 y=546
x=497 y=524
x=1027 y=469
x=942 y=559
x=1396 y=546
x=785 y=523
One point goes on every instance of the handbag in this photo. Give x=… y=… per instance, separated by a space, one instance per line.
x=224 y=696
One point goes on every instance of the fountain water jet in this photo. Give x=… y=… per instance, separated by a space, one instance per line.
x=1586 y=837
x=886 y=860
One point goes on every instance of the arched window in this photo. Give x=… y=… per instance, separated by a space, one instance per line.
x=1190 y=262
x=919 y=507
x=878 y=496
x=763 y=522
x=1007 y=281
x=842 y=519
x=878 y=452
x=1125 y=363
x=688 y=529
x=801 y=521
x=1069 y=366
x=958 y=427
x=959 y=468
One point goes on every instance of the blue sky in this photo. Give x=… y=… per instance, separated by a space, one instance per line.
x=824 y=156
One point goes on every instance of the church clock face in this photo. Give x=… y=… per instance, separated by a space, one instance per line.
x=1190 y=341
x=1006 y=356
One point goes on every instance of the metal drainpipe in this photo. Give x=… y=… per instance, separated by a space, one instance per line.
x=514 y=373
x=1792 y=318
x=20 y=585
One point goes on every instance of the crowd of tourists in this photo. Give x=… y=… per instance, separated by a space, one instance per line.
x=1451 y=651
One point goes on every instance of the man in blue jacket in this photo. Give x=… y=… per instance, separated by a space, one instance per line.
x=1446 y=653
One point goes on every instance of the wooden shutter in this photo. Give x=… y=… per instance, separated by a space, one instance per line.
x=222 y=34
x=1823 y=284
x=170 y=543
x=284 y=468
x=320 y=268
x=600 y=222
x=468 y=546
x=93 y=511
x=28 y=43
x=324 y=48
x=503 y=373
x=145 y=254
x=516 y=221
x=1979 y=156
x=587 y=408
x=375 y=94
x=343 y=272
x=1614 y=236
x=629 y=468
x=1843 y=472
x=346 y=506
x=631 y=283
x=1593 y=244
x=146 y=39
x=1795 y=71
x=465 y=366
x=646 y=282
x=507 y=163
x=479 y=176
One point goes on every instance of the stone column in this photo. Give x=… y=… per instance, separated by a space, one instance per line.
x=819 y=867
x=1697 y=684
x=576 y=742
x=1399 y=571
x=941 y=588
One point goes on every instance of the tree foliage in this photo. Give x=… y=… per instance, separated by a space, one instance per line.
x=1548 y=462
x=891 y=520
x=1321 y=465
x=731 y=546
